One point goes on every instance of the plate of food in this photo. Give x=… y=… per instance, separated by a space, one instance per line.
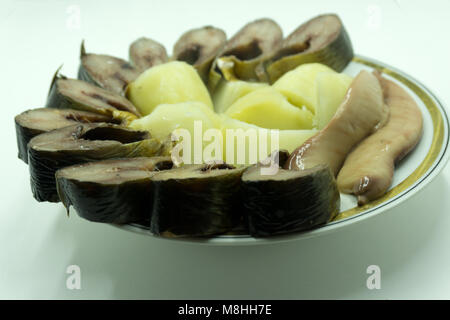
x=250 y=139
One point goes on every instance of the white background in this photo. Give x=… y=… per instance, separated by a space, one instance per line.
x=38 y=241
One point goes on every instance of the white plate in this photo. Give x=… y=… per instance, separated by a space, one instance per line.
x=411 y=175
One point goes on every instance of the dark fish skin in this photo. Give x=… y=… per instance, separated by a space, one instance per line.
x=199 y=47
x=108 y=194
x=33 y=122
x=145 y=53
x=194 y=206
x=301 y=201
x=243 y=55
x=85 y=96
x=80 y=143
x=322 y=39
x=108 y=72
x=23 y=136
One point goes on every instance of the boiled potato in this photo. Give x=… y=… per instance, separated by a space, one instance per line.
x=331 y=90
x=299 y=85
x=230 y=91
x=258 y=143
x=168 y=83
x=267 y=108
x=292 y=139
x=170 y=118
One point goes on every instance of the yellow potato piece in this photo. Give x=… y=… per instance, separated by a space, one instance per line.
x=256 y=142
x=172 y=82
x=331 y=90
x=267 y=108
x=292 y=139
x=170 y=118
x=299 y=85
x=230 y=91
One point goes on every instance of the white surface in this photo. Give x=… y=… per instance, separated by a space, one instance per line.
x=38 y=242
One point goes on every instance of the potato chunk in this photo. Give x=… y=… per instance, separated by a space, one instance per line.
x=331 y=90
x=167 y=83
x=229 y=91
x=299 y=85
x=267 y=108
x=171 y=118
x=257 y=149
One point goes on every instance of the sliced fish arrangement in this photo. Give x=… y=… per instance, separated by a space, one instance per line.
x=104 y=144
